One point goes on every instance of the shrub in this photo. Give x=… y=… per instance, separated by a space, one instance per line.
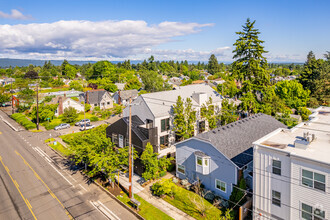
x=70 y=115
x=164 y=187
x=171 y=168
x=22 y=120
x=94 y=118
x=163 y=173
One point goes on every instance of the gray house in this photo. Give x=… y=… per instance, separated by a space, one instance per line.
x=220 y=157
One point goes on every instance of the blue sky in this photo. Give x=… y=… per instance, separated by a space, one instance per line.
x=192 y=30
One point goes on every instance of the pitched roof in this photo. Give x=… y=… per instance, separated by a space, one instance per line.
x=142 y=133
x=126 y=94
x=95 y=96
x=235 y=139
x=160 y=103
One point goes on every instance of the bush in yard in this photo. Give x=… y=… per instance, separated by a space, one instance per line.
x=70 y=115
x=22 y=120
x=304 y=113
x=164 y=187
x=94 y=118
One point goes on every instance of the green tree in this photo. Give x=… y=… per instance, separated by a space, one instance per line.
x=70 y=71
x=293 y=93
x=153 y=165
x=4 y=97
x=27 y=95
x=250 y=64
x=184 y=118
x=153 y=82
x=228 y=112
x=70 y=115
x=208 y=112
x=133 y=84
x=150 y=162
x=76 y=85
x=304 y=113
x=249 y=103
x=213 y=65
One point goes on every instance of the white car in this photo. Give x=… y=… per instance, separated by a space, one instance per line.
x=62 y=126
x=87 y=127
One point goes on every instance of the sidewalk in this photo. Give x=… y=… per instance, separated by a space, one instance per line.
x=146 y=194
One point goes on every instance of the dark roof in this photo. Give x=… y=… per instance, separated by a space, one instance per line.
x=142 y=133
x=235 y=139
x=95 y=96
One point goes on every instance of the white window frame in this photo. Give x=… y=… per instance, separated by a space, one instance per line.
x=205 y=164
x=184 y=168
x=220 y=184
x=279 y=168
x=312 y=213
x=274 y=197
x=313 y=180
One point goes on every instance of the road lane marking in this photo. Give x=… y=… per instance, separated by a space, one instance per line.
x=104 y=210
x=83 y=187
x=49 y=190
x=16 y=185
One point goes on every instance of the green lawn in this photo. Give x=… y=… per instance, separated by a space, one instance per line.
x=60 y=148
x=184 y=200
x=147 y=210
x=54 y=90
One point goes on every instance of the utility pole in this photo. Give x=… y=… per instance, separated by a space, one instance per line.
x=37 y=106
x=129 y=148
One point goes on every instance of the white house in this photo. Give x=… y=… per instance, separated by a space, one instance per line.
x=98 y=98
x=65 y=102
x=291 y=173
x=155 y=110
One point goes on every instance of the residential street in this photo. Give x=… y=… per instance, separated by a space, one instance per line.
x=36 y=183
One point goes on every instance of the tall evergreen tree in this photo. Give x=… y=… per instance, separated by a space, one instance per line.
x=213 y=65
x=250 y=63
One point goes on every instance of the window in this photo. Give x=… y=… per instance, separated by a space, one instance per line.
x=115 y=138
x=108 y=103
x=165 y=124
x=220 y=185
x=277 y=167
x=199 y=161
x=163 y=141
x=95 y=104
x=202 y=164
x=313 y=180
x=201 y=126
x=310 y=213
x=276 y=198
x=181 y=169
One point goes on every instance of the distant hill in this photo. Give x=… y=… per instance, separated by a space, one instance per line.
x=6 y=62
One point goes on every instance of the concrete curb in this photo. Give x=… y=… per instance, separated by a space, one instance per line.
x=120 y=202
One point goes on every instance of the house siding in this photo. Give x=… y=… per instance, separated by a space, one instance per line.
x=79 y=107
x=220 y=167
x=293 y=193
x=141 y=110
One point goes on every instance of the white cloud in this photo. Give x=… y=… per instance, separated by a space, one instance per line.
x=91 y=40
x=15 y=14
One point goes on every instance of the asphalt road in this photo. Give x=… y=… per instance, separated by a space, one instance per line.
x=36 y=184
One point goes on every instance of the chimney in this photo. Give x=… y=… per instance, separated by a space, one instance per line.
x=60 y=106
x=119 y=98
x=64 y=94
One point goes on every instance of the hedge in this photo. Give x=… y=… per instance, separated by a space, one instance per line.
x=22 y=120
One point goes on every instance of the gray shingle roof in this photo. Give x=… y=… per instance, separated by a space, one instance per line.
x=236 y=138
x=126 y=94
x=95 y=96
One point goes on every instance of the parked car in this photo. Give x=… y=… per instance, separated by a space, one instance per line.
x=62 y=126
x=87 y=127
x=82 y=122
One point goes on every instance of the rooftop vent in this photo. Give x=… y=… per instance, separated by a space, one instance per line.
x=303 y=143
x=214 y=132
x=223 y=128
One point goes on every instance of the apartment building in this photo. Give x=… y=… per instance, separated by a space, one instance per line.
x=291 y=173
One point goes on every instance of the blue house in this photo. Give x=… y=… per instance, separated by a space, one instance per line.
x=220 y=157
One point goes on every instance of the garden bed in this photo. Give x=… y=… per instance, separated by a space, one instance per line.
x=22 y=120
